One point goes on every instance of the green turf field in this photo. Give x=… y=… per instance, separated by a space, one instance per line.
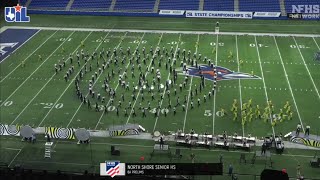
x=35 y=95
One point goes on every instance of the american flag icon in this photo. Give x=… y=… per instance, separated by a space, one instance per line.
x=113 y=168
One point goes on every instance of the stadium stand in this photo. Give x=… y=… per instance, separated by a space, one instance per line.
x=262 y=6
x=152 y=6
x=140 y=5
x=57 y=4
x=219 y=5
x=179 y=5
x=23 y=2
x=91 y=4
x=289 y=3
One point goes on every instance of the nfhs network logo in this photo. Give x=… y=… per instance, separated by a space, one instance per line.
x=16 y=14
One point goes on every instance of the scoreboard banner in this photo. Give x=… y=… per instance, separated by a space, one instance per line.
x=219 y=14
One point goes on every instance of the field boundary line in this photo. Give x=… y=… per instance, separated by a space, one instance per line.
x=69 y=83
x=13 y=149
x=35 y=70
x=21 y=45
x=240 y=92
x=96 y=79
x=264 y=83
x=164 y=31
x=304 y=62
x=187 y=107
x=118 y=82
x=154 y=54
x=287 y=78
x=164 y=89
x=29 y=56
x=45 y=85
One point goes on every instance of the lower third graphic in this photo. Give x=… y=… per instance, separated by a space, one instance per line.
x=112 y=168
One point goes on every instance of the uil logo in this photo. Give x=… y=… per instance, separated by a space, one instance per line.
x=16 y=14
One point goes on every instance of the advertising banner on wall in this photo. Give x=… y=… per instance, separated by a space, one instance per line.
x=171 y=12
x=219 y=14
x=266 y=14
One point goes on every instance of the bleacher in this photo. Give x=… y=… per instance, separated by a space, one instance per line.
x=179 y=5
x=49 y=4
x=148 y=5
x=91 y=4
x=262 y=6
x=288 y=3
x=136 y=5
x=218 y=5
x=22 y=2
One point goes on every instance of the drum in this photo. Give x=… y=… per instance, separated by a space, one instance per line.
x=156 y=134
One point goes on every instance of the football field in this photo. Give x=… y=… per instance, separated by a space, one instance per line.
x=32 y=93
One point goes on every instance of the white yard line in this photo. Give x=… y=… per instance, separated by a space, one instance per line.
x=118 y=83
x=304 y=62
x=2 y=29
x=286 y=75
x=94 y=82
x=14 y=149
x=240 y=92
x=34 y=71
x=216 y=90
x=49 y=80
x=185 y=114
x=164 y=90
x=316 y=42
x=21 y=45
x=264 y=83
x=15 y=157
x=28 y=56
x=71 y=82
x=154 y=54
x=165 y=31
